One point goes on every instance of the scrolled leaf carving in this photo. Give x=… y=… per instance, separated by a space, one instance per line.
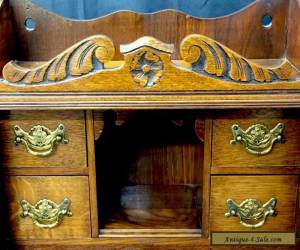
x=80 y=59
x=208 y=56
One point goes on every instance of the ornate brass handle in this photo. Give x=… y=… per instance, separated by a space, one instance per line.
x=257 y=139
x=251 y=212
x=40 y=140
x=45 y=213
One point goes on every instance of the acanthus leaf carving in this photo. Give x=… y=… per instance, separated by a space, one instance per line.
x=208 y=56
x=80 y=59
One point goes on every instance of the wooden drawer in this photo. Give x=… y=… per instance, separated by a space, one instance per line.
x=70 y=155
x=283 y=153
x=56 y=189
x=262 y=188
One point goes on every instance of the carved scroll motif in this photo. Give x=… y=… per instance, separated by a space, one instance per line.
x=80 y=59
x=210 y=57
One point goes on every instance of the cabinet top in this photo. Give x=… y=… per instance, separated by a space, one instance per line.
x=197 y=71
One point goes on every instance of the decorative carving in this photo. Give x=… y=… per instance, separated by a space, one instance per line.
x=207 y=65
x=208 y=56
x=257 y=139
x=251 y=212
x=82 y=58
x=145 y=62
x=40 y=140
x=146 y=68
x=45 y=213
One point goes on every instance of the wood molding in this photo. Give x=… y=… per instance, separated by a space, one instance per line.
x=61 y=101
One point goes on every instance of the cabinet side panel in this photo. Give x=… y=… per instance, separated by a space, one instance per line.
x=293 y=39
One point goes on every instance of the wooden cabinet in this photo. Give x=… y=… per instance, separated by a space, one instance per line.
x=149 y=130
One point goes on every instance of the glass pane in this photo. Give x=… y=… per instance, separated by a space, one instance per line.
x=82 y=9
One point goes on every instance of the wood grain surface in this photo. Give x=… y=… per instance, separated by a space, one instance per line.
x=149 y=171
x=242 y=32
x=71 y=155
x=240 y=188
x=56 y=189
x=6 y=34
x=183 y=243
x=91 y=161
x=285 y=154
x=293 y=37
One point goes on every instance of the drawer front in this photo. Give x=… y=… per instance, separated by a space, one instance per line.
x=33 y=213
x=264 y=144
x=69 y=151
x=228 y=193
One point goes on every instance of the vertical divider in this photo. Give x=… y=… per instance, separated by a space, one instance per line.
x=92 y=173
x=206 y=176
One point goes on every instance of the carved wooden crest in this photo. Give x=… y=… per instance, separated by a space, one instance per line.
x=206 y=65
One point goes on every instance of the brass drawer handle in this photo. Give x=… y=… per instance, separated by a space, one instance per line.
x=251 y=212
x=45 y=213
x=257 y=139
x=40 y=140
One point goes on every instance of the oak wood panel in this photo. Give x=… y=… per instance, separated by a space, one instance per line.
x=6 y=34
x=293 y=36
x=142 y=243
x=92 y=173
x=71 y=155
x=255 y=247
x=153 y=148
x=167 y=100
x=157 y=207
x=140 y=156
x=206 y=176
x=257 y=170
x=56 y=189
x=297 y=214
x=283 y=154
x=241 y=31
x=239 y=188
x=26 y=171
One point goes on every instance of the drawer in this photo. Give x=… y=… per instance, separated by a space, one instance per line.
x=32 y=214
x=259 y=147
x=71 y=154
x=245 y=196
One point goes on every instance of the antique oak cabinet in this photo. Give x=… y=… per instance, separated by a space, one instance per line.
x=150 y=131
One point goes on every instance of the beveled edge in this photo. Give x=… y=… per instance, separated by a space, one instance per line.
x=147 y=41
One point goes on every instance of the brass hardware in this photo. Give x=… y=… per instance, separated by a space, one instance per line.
x=45 y=213
x=251 y=212
x=257 y=139
x=40 y=140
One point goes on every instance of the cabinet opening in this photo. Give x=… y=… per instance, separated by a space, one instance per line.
x=149 y=172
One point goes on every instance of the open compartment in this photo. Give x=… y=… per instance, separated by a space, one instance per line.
x=149 y=173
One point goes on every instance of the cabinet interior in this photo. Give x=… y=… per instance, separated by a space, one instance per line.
x=149 y=172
